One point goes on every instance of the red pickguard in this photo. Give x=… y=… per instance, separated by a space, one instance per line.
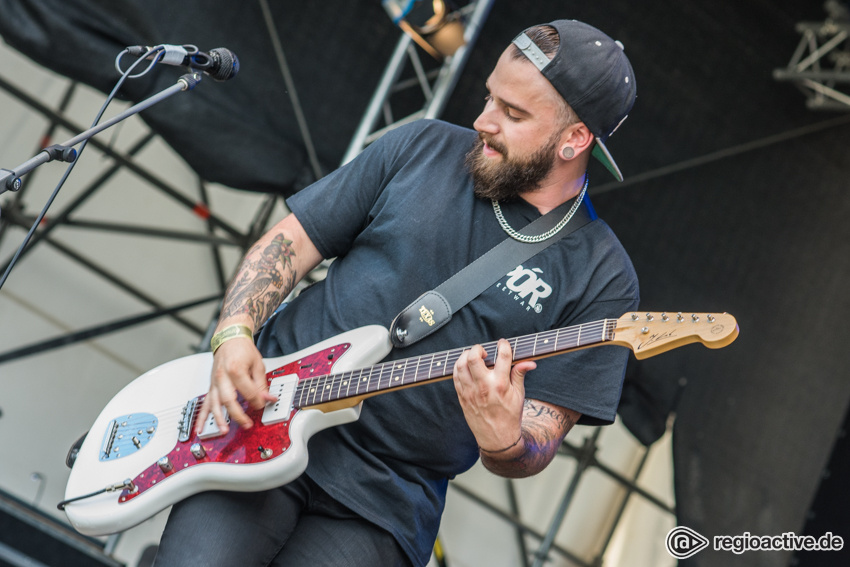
x=240 y=446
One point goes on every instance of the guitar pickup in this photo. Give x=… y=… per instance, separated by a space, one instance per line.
x=211 y=428
x=283 y=388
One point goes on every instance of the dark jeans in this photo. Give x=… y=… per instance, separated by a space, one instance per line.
x=297 y=525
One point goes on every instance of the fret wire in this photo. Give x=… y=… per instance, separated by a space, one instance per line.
x=488 y=347
x=446 y=363
x=375 y=380
x=299 y=391
x=374 y=376
x=393 y=372
x=328 y=382
x=409 y=371
x=397 y=375
x=423 y=373
x=365 y=384
x=381 y=374
x=455 y=354
x=336 y=385
x=350 y=378
x=416 y=370
x=315 y=390
x=305 y=397
x=337 y=382
x=359 y=378
x=321 y=387
x=374 y=384
x=311 y=388
x=433 y=357
x=395 y=368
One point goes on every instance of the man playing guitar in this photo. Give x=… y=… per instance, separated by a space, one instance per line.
x=416 y=207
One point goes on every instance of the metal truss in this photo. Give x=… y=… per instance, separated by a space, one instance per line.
x=218 y=233
x=436 y=86
x=820 y=66
x=585 y=457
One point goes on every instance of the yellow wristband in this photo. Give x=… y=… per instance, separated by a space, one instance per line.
x=231 y=332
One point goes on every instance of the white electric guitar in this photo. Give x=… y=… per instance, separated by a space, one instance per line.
x=142 y=454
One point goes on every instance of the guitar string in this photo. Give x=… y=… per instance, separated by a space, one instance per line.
x=523 y=347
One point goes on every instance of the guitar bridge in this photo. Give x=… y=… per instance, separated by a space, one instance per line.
x=184 y=428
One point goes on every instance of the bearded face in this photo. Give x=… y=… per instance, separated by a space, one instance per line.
x=512 y=175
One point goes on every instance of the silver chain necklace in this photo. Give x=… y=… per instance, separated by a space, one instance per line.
x=549 y=233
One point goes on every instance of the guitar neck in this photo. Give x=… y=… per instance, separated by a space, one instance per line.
x=427 y=368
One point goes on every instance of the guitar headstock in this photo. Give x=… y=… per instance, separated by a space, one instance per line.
x=648 y=334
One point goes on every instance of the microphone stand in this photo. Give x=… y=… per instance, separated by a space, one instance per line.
x=10 y=179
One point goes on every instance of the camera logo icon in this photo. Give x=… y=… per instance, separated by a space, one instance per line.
x=683 y=542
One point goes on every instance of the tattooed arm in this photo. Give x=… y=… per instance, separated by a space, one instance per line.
x=543 y=428
x=269 y=271
x=517 y=437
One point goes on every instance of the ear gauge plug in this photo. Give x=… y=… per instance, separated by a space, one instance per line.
x=568 y=152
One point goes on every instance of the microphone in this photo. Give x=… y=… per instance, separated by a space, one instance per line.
x=220 y=63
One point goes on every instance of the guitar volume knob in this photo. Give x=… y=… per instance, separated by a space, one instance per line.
x=198 y=451
x=165 y=465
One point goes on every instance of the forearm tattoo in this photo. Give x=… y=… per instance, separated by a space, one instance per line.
x=263 y=281
x=543 y=430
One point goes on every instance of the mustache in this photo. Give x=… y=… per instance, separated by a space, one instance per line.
x=485 y=138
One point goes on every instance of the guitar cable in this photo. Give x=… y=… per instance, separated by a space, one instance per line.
x=128 y=484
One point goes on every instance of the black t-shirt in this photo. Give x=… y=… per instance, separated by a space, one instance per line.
x=401 y=219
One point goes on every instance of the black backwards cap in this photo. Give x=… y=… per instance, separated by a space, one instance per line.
x=592 y=73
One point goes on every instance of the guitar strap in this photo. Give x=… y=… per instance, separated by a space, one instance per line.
x=434 y=308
